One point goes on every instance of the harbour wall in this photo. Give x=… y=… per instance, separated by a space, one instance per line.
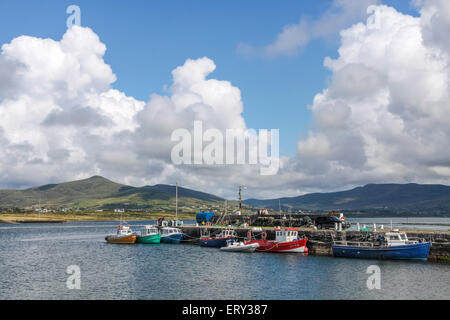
x=320 y=241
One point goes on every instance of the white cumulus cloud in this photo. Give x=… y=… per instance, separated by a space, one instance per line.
x=383 y=118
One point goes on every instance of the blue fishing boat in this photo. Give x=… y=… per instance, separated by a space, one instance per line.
x=394 y=245
x=171 y=235
x=220 y=239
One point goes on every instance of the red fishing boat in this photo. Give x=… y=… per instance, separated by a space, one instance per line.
x=286 y=240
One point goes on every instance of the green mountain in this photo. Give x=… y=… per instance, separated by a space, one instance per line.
x=98 y=192
x=372 y=198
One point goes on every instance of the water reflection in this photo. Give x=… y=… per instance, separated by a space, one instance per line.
x=34 y=261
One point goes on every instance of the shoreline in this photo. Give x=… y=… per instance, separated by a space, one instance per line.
x=11 y=218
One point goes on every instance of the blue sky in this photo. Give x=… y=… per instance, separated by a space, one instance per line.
x=146 y=40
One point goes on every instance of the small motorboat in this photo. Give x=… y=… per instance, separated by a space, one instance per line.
x=124 y=235
x=150 y=235
x=220 y=240
x=239 y=246
x=394 y=245
x=286 y=241
x=171 y=235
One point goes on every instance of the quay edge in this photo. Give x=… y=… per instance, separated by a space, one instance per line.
x=320 y=241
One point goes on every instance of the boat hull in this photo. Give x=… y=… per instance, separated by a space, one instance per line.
x=173 y=238
x=418 y=251
x=215 y=242
x=251 y=247
x=297 y=246
x=128 y=239
x=150 y=239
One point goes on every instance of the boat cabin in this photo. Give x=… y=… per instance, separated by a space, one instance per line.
x=397 y=238
x=149 y=230
x=169 y=231
x=124 y=230
x=286 y=235
x=226 y=233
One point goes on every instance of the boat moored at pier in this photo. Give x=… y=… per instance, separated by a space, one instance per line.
x=220 y=240
x=171 y=235
x=149 y=235
x=239 y=246
x=286 y=240
x=394 y=245
x=124 y=235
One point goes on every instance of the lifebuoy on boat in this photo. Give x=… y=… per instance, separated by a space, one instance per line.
x=264 y=236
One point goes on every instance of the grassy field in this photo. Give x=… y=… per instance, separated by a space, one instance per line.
x=90 y=216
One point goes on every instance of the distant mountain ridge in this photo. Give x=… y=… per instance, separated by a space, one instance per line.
x=395 y=198
x=99 y=192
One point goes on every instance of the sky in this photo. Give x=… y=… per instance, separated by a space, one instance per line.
x=315 y=70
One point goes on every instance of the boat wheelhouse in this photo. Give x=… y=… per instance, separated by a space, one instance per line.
x=219 y=240
x=393 y=245
x=171 y=235
x=150 y=234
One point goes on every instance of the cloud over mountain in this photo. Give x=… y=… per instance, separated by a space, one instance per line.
x=383 y=118
x=385 y=115
x=60 y=118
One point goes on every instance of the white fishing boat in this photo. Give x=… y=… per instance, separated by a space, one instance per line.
x=238 y=246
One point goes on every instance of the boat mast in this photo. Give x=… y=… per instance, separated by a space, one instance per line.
x=279 y=208
x=240 y=198
x=176 y=202
x=226 y=209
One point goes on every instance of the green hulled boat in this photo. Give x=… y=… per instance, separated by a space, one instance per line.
x=150 y=234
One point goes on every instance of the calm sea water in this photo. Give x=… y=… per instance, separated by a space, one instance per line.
x=428 y=223
x=33 y=265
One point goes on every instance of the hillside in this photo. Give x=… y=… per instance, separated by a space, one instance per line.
x=98 y=192
x=380 y=198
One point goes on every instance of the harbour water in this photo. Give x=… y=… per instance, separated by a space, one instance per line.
x=34 y=261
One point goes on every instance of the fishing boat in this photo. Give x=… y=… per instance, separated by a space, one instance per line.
x=124 y=235
x=394 y=245
x=220 y=239
x=286 y=240
x=171 y=235
x=150 y=235
x=239 y=246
